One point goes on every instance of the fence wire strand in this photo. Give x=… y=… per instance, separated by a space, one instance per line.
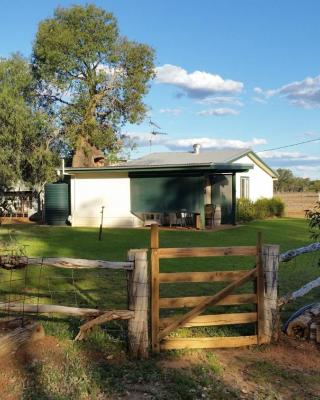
x=37 y=285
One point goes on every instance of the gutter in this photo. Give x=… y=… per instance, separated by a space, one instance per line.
x=167 y=168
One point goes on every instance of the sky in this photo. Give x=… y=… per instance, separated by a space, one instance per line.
x=229 y=74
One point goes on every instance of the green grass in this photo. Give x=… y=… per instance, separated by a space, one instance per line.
x=108 y=288
x=80 y=377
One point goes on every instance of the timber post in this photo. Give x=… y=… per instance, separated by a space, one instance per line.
x=155 y=286
x=270 y=262
x=138 y=296
x=260 y=292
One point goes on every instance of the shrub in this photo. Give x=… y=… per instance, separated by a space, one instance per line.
x=276 y=207
x=245 y=210
x=314 y=221
x=263 y=208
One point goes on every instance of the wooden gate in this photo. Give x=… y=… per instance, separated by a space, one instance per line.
x=162 y=327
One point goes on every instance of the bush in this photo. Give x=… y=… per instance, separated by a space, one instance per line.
x=245 y=210
x=263 y=208
x=276 y=207
x=314 y=221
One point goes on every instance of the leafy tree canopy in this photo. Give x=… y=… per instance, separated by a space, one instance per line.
x=91 y=77
x=287 y=182
x=24 y=130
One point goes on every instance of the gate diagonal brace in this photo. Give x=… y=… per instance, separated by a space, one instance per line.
x=206 y=303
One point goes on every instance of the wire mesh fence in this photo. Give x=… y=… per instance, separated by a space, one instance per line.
x=38 y=285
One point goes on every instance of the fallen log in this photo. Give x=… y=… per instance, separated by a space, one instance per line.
x=11 y=323
x=12 y=341
x=289 y=255
x=299 y=293
x=17 y=262
x=300 y=327
x=303 y=324
x=108 y=316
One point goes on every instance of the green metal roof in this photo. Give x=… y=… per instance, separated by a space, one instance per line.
x=187 y=158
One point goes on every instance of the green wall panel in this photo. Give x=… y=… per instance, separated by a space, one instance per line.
x=167 y=194
x=222 y=195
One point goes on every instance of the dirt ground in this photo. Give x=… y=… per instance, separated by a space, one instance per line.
x=287 y=370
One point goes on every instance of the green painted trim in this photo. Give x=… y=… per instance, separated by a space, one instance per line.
x=173 y=168
x=264 y=166
x=234 y=200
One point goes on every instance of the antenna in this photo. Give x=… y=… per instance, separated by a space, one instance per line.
x=151 y=123
x=154 y=132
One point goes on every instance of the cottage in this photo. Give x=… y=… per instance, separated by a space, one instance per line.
x=164 y=184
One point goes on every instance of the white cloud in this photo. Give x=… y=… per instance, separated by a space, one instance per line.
x=292 y=160
x=218 y=112
x=221 y=100
x=258 y=90
x=185 y=144
x=259 y=100
x=305 y=93
x=212 y=143
x=197 y=84
x=288 y=155
x=171 y=111
x=307 y=171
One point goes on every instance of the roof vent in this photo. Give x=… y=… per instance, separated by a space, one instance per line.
x=196 y=148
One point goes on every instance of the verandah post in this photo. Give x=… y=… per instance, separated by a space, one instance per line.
x=234 y=200
x=138 y=299
x=270 y=262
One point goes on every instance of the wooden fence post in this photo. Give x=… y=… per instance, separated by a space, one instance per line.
x=270 y=262
x=260 y=292
x=138 y=296
x=155 y=288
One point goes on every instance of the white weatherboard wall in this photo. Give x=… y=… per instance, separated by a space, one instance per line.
x=260 y=182
x=91 y=191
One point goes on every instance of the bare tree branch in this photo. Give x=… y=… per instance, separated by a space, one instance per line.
x=299 y=293
x=289 y=255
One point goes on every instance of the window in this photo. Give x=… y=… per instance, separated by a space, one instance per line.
x=244 y=187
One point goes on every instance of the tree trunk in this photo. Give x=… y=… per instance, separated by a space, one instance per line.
x=87 y=155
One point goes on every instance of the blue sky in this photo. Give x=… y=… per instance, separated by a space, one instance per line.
x=229 y=73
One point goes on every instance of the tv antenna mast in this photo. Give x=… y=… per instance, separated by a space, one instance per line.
x=154 y=131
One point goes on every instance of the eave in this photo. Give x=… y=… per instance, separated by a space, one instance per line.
x=200 y=168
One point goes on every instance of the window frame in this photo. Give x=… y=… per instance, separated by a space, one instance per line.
x=244 y=187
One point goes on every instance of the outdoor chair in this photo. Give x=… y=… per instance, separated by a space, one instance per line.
x=172 y=219
x=182 y=217
x=209 y=210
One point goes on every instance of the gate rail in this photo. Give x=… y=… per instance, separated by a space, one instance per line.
x=162 y=327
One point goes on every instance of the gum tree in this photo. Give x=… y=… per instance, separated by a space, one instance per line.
x=90 y=77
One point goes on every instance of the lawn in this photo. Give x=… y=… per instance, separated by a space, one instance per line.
x=108 y=288
x=98 y=368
